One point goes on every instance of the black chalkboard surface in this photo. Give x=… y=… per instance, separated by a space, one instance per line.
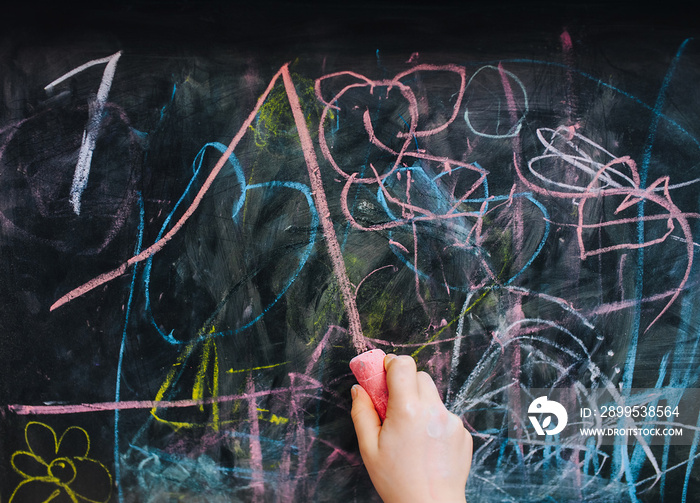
x=207 y=210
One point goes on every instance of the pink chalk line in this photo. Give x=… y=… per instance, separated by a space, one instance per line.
x=307 y=147
x=256 y=457
x=24 y=410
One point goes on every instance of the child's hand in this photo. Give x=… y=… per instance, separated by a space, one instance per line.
x=422 y=452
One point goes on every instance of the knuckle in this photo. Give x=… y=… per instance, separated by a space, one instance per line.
x=405 y=361
x=456 y=424
x=424 y=376
x=406 y=409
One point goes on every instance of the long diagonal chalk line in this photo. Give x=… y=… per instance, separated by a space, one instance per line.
x=319 y=196
x=334 y=251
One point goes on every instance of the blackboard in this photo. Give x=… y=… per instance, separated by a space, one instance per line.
x=207 y=210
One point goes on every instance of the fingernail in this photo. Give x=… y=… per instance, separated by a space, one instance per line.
x=388 y=358
x=353 y=391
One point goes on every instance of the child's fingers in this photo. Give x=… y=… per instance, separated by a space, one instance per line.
x=401 y=379
x=427 y=389
x=366 y=421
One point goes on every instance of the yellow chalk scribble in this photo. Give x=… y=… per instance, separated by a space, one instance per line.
x=273 y=418
x=232 y=371
x=205 y=387
x=275 y=119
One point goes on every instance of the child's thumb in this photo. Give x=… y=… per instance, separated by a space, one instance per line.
x=366 y=420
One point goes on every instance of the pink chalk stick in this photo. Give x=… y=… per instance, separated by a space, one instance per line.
x=369 y=371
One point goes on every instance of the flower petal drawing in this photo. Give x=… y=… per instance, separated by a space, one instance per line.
x=41 y=440
x=28 y=464
x=74 y=442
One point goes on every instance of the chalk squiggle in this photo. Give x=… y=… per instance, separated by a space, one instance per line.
x=616 y=177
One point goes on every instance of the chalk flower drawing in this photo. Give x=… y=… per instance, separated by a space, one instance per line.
x=59 y=470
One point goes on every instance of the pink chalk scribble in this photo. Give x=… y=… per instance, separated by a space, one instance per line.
x=608 y=178
x=349 y=94
x=360 y=82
